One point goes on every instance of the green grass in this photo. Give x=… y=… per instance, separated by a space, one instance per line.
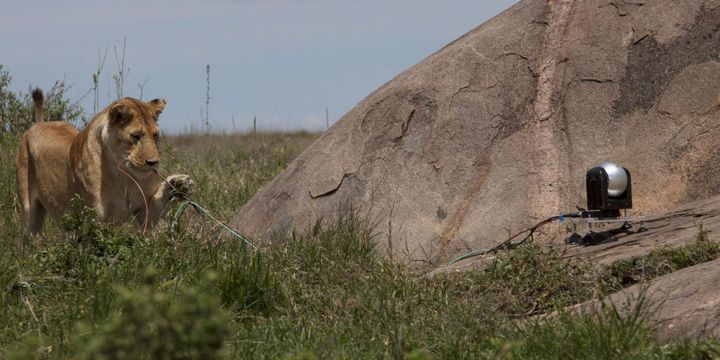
x=87 y=290
x=661 y=261
x=529 y=280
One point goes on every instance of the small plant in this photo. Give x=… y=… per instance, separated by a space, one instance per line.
x=97 y=238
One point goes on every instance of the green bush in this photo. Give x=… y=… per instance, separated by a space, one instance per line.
x=151 y=323
x=84 y=229
x=14 y=114
x=16 y=109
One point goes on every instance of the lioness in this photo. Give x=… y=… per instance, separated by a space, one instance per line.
x=110 y=164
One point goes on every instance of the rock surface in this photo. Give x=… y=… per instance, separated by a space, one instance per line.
x=683 y=304
x=677 y=227
x=496 y=130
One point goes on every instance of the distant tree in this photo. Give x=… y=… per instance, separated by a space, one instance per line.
x=12 y=110
x=16 y=109
x=57 y=107
x=122 y=72
x=207 y=99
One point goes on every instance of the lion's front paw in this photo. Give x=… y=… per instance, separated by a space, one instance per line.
x=181 y=184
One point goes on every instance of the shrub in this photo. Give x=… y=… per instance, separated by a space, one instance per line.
x=16 y=109
x=155 y=324
x=14 y=114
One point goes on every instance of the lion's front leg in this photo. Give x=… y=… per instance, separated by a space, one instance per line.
x=175 y=186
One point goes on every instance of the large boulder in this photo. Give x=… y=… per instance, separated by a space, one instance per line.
x=496 y=130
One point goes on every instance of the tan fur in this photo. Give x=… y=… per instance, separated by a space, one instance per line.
x=55 y=161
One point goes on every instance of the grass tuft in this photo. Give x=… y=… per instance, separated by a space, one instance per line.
x=529 y=280
x=607 y=335
x=661 y=261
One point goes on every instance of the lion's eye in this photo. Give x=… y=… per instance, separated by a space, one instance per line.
x=136 y=137
x=156 y=136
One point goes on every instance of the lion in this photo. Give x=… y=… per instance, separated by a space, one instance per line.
x=111 y=164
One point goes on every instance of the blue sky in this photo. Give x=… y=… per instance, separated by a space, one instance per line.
x=283 y=61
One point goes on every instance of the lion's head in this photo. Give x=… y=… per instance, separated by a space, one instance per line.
x=132 y=133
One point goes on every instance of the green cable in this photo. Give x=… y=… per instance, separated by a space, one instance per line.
x=470 y=254
x=201 y=210
x=509 y=244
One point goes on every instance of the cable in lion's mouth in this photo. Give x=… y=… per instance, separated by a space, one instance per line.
x=142 y=193
x=129 y=164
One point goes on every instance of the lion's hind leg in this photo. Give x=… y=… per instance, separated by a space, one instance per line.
x=34 y=217
x=32 y=212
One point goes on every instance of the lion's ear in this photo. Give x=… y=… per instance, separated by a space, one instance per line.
x=157 y=106
x=120 y=114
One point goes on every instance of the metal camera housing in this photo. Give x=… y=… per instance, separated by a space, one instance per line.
x=609 y=188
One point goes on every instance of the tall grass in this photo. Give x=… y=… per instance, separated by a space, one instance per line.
x=88 y=290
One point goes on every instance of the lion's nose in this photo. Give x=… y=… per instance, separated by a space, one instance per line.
x=152 y=162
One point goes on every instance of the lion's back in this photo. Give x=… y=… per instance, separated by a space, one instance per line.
x=49 y=143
